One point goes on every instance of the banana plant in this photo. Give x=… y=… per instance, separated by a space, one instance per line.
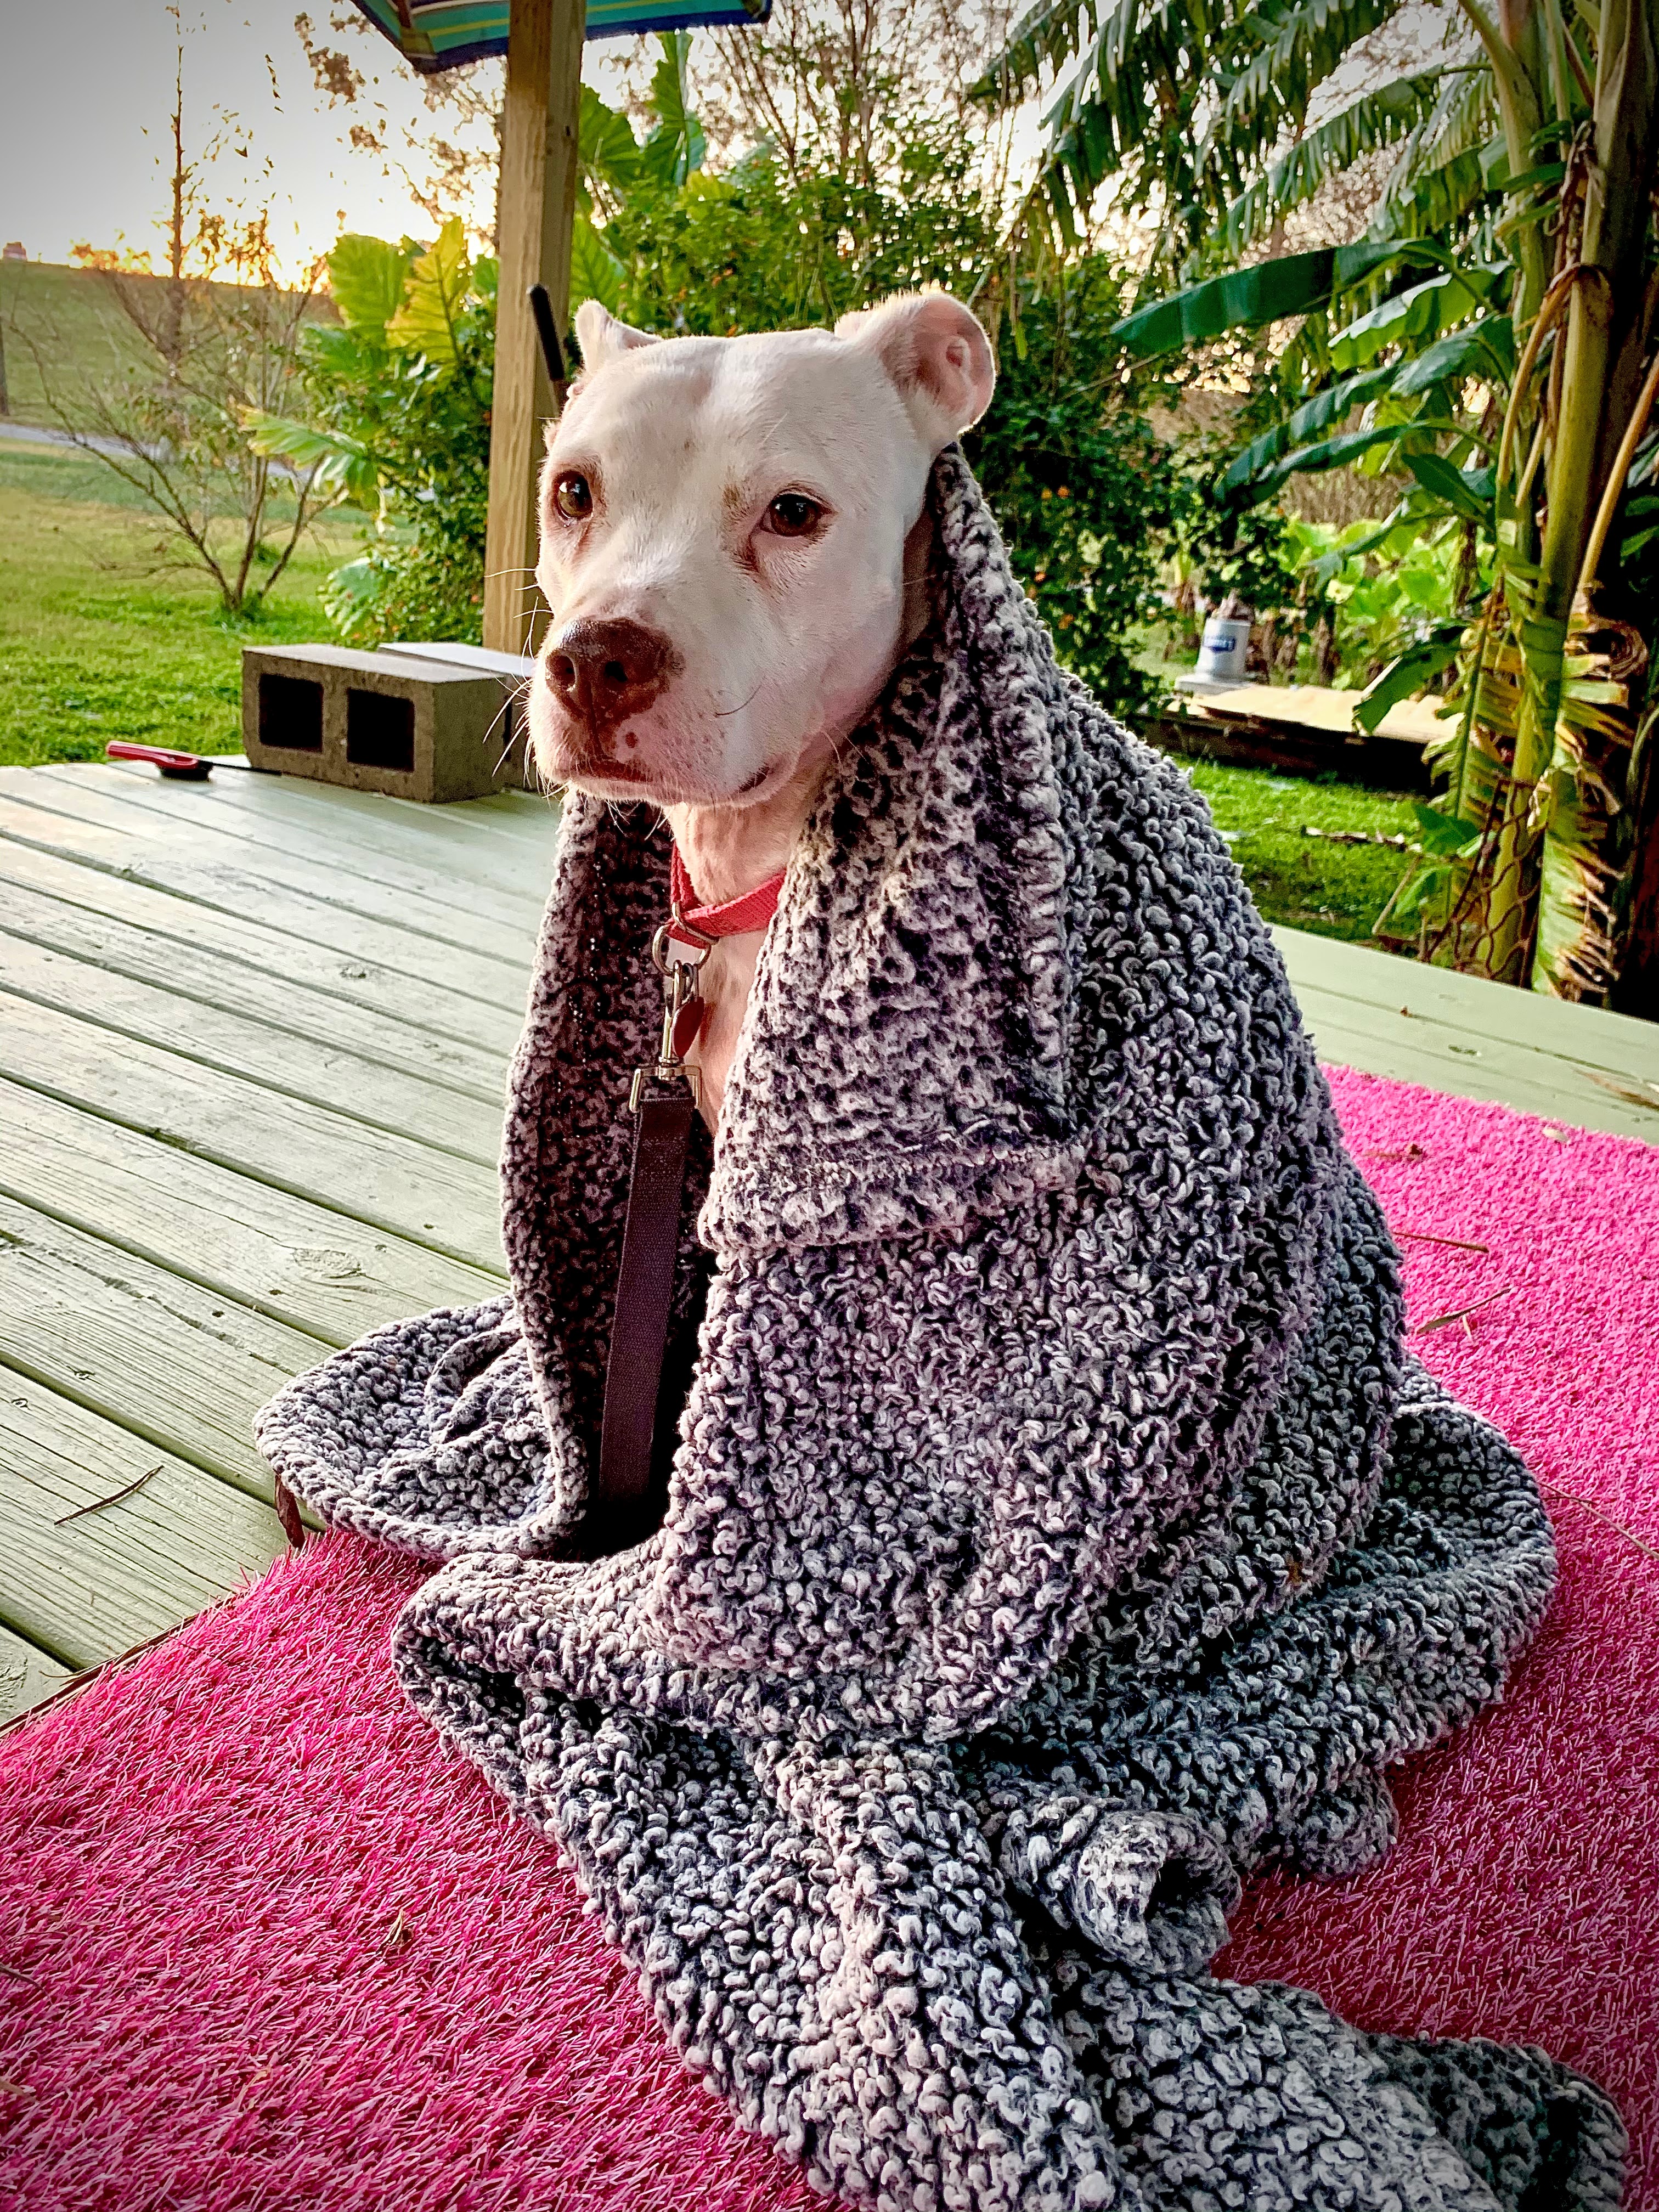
x=1490 y=344
x=1184 y=103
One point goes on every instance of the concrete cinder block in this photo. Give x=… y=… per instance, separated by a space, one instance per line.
x=413 y=726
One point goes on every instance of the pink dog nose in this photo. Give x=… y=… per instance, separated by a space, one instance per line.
x=604 y=671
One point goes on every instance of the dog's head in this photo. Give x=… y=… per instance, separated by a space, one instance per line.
x=723 y=524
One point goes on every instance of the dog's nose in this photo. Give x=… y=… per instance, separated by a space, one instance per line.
x=604 y=671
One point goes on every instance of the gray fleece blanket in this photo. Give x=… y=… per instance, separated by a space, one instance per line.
x=1057 y=1529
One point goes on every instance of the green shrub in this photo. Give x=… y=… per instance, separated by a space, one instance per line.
x=1081 y=489
x=398 y=422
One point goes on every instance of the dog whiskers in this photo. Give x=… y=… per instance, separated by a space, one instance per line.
x=721 y=714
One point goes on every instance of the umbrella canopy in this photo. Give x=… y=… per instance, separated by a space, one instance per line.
x=441 y=34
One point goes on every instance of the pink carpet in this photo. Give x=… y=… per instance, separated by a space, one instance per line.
x=265 y=1948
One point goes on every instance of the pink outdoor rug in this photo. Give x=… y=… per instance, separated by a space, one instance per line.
x=264 y=1945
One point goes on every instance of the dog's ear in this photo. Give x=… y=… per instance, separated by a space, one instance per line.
x=602 y=338
x=936 y=353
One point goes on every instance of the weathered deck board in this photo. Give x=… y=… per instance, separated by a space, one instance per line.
x=331 y=1277
x=444 y=1017
x=215 y=887
x=467 y=912
x=268 y=810
x=252 y=1040
x=523 y=821
x=182 y=1367
x=1389 y=1016
x=279 y=1006
x=88 y=1589
x=391 y=1182
x=26 y=1676
x=319 y=1075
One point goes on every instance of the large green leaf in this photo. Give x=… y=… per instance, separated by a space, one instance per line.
x=1047 y=35
x=669 y=100
x=1300 y=45
x=1439 y=174
x=366 y=277
x=1271 y=292
x=1332 y=405
x=1428 y=204
x=337 y=349
x=1136 y=86
x=341 y=464
x=1442 y=833
x=1468 y=492
x=609 y=150
x=676 y=147
x=1423 y=310
x=595 y=271
x=1339 y=452
x=437 y=288
x=1484 y=350
x=1107 y=39
x=350 y=594
x=1142 y=75
x=1330 y=565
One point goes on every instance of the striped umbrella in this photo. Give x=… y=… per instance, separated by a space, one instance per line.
x=441 y=34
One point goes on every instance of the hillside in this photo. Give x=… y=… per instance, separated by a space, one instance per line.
x=65 y=331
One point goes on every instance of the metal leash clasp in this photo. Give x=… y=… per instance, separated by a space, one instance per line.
x=679 y=962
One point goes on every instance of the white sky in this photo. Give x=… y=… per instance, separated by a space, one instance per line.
x=88 y=90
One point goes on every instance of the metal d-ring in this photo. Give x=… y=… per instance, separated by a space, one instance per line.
x=694 y=948
x=677 y=962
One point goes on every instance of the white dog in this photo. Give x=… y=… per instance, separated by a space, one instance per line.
x=735 y=546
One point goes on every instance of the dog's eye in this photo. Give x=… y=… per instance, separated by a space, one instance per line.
x=792 y=514
x=573 y=496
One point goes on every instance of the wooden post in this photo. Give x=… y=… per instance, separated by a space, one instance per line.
x=535 y=213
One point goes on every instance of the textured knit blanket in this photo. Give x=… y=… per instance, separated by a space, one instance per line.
x=1056 y=1528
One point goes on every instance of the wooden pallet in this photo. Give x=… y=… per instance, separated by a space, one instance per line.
x=252 y=1040
x=1304 y=731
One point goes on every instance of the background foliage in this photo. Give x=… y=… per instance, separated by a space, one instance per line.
x=1083 y=491
x=398 y=422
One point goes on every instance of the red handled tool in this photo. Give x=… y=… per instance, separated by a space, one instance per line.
x=185 y=767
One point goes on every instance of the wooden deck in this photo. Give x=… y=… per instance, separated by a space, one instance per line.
x=253 y=1038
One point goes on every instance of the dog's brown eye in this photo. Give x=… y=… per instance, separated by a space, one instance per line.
x=573 y=496
x=792 y=514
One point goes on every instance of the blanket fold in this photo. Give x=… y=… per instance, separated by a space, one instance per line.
x=1057 y=1529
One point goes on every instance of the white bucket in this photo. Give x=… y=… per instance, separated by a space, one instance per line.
x=1226 y=646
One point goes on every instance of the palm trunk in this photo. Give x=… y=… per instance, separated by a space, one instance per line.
x=1579 y=820
x=1488 y=913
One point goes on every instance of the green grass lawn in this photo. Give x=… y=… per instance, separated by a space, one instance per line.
x=103 y=635
x=104 y=632
x=1335 y=890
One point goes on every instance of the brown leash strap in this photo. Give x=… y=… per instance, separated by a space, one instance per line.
x=624 y=1509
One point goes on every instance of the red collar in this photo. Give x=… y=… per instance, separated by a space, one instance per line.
x=692 y=924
